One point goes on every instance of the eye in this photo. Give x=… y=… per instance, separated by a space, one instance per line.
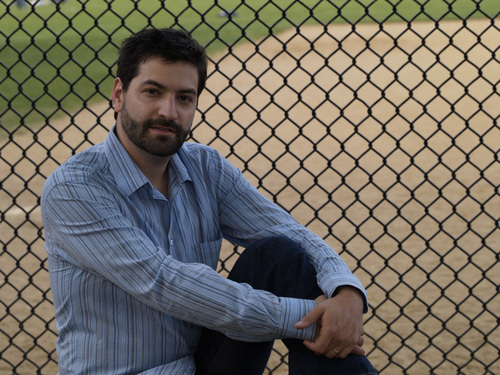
x=185 y=98
x=151 y=91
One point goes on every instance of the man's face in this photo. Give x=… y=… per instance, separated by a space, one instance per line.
x=157 y=110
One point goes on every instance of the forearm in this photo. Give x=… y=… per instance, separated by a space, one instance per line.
x=247 y=216
x=265 y=219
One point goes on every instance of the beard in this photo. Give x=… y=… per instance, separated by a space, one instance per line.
x=157 y=145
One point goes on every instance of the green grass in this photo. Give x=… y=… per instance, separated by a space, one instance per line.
x=55 y=59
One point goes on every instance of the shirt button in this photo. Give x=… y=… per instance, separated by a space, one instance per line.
x=171 y=242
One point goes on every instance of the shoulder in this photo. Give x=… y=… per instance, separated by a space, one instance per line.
x=80 y=168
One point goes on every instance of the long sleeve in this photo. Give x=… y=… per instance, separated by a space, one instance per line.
x=133 y=272
x=246 y=216
x=88 y=228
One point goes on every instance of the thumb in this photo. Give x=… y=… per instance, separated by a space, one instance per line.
x=312 y=317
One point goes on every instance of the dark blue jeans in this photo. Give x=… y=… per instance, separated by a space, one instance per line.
x=281 y=267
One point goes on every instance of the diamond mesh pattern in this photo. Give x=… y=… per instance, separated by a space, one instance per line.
x=378 y=130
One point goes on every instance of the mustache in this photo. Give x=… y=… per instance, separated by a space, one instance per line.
x=165 y=124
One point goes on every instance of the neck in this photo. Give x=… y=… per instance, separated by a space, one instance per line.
x=155 y=168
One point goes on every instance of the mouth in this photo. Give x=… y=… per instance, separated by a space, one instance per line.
x=164 y=130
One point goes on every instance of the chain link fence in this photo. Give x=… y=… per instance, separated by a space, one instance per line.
x=375 y=123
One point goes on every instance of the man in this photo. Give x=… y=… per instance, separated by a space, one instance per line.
x=133 y=233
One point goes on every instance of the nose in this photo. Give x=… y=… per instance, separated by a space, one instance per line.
x=167 y=108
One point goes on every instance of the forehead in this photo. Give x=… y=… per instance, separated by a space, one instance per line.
x=168 y=73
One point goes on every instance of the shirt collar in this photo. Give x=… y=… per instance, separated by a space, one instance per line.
x=128 y=175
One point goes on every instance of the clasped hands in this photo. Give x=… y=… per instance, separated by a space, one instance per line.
x=339 y=324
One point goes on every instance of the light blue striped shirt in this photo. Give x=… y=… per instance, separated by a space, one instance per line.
x=133 y=273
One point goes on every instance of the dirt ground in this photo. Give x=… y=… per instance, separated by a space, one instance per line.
x=415 y=172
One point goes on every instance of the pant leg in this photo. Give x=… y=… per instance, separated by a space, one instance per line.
x=302 y=361
x=281 y=267
x=267 y=264
x=217 y=354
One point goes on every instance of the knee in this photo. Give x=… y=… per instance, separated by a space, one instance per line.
x=278 y=265
x=280 y=248
x=270 y=255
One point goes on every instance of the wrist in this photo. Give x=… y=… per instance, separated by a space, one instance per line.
x=349 y=290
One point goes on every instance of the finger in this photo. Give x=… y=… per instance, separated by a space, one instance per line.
x=358 y=350
x=320 y=299
x=312 y=347
x=341 y=350
x=321 y=344
x=361 y=341
x=332 y=353
x=309 y=319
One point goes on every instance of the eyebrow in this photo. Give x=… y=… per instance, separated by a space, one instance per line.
x=163 y=87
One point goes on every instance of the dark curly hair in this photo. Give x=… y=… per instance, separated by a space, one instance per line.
x=168 y=44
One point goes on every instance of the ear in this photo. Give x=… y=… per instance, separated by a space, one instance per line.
x=117 y=95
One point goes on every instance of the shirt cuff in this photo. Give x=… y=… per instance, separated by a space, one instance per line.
x=294 y=310
x=335 y=284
